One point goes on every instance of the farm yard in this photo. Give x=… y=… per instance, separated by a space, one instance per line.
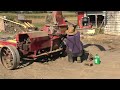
x=106 y=46
x=62 y=69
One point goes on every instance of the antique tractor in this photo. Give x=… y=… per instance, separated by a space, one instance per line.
x=32 y=45
x=29 y=45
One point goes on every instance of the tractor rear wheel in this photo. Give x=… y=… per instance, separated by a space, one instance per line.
x=10 y=57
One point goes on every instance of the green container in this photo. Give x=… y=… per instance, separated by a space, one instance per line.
x=97 y=59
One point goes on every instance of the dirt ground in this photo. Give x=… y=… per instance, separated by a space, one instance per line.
x=107 y=46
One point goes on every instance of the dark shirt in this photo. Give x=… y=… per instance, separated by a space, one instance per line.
x=73 y=43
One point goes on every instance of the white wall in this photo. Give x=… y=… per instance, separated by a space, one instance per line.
x=112 y=23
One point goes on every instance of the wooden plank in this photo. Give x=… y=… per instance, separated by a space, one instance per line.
x=2 y=26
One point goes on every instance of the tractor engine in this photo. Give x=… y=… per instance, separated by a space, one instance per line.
x=32 y=42
x=25 y=44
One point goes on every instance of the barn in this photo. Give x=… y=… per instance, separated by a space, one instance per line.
x=112 y=25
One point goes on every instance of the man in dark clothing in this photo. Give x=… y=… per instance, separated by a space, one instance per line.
x=74 y=45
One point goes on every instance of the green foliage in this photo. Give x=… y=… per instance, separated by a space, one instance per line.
x=39 y=25
x=11 y=18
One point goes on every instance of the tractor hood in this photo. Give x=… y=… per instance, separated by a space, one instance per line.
x=35 y=34
x=36 y=39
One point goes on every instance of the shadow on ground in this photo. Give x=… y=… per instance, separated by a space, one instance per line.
x=51 y=57
x=25 y=63
x=86 y=53
x=57 y=55
x=43 y=59
x=85 y=56
x=99 y=46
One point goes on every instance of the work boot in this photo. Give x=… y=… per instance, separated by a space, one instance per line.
x=79 y=60
x=70 y=59
x=74 y=58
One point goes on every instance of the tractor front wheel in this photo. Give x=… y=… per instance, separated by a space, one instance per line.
x=10 y=57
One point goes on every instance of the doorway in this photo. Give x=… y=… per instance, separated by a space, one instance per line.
x=99 y=20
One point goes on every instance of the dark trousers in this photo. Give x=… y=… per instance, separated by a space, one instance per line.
x=73 y=56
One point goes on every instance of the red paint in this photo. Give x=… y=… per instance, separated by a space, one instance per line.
x=7 y=43
x=59 y=17
x=80 y=16
x=46 y=29
x=39 y=43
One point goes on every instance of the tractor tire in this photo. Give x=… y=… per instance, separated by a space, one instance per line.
x=10 y=57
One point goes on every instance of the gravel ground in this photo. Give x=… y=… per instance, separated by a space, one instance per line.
x=62 y=69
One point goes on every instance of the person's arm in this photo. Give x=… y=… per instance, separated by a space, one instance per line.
x=81 y=36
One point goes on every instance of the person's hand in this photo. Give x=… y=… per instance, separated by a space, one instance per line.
x=82 y=37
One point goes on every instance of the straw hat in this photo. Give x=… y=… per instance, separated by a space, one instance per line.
x=71 y=30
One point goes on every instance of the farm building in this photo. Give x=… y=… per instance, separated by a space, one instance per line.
x=112 y=23
x=96 y=17
x=109 y=20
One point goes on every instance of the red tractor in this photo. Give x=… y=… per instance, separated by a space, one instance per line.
x=32 y=45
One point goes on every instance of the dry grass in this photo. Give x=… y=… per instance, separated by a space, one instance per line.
x=36 y=15
x=38 y=19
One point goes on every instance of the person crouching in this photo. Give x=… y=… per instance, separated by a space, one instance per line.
x=74 y=46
